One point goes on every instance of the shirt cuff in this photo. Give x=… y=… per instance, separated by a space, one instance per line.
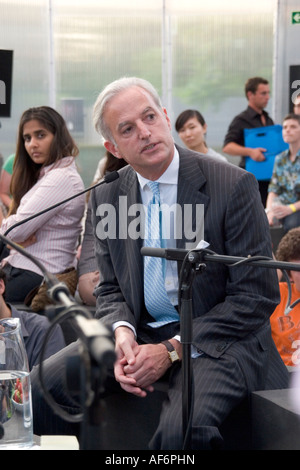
x=123 y=323
x=194 y=351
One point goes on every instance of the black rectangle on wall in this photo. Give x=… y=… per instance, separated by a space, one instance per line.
x=6 y=67
x=294 y=85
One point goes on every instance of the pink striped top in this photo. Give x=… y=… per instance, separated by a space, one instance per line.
x=57 y=231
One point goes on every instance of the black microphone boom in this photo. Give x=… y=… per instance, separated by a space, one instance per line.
x=200 y=255
x=107 y=179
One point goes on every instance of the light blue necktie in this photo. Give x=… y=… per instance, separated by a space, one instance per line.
x=156 y=299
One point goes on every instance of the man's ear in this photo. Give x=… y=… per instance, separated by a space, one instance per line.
x=167 y=118
x=250 y=94
x=112 y=149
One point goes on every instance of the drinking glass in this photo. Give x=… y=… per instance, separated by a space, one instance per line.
x=16 y=427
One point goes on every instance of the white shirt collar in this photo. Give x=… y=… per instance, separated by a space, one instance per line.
x=63 y=162
x=170 y=176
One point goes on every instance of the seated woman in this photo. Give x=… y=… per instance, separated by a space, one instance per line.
x=285 y=323
x=192 y=128
x=44 y=174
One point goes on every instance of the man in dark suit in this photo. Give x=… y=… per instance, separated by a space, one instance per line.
x=232 y=350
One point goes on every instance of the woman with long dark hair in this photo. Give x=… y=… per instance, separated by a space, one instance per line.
x=44 y=173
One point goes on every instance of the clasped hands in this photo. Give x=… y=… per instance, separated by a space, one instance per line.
x=138 y=367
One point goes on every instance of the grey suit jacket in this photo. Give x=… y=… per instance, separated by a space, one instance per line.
x=230 y=304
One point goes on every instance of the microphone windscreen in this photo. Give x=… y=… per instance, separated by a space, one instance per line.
x=111 y=176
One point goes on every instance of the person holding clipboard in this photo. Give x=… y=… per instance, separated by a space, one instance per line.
x=257 y=91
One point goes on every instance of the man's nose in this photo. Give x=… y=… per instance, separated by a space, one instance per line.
x=144 y=132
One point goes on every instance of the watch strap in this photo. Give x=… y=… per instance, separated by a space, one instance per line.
x=168 y=345
x=173 y=355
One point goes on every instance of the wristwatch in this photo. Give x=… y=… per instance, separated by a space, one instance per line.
x=173 y=355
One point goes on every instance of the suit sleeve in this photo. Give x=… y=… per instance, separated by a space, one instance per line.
x=111 y=303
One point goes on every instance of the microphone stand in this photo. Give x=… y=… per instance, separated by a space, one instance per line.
x=185 y=305
x=97 y=356
x=193 y=263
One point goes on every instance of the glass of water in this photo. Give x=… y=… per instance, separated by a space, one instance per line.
x=16 y=427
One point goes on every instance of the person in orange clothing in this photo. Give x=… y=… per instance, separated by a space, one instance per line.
x=285 y=321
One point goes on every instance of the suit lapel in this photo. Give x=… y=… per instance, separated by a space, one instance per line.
x=130 y=189
x=190 y=198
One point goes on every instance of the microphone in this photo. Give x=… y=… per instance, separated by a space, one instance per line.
x=96 y=337
x=170 y=253
x=107 y=179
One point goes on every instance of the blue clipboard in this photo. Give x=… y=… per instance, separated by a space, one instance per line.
x=270 y=138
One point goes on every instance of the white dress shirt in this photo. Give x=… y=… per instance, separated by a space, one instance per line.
x=168 y=197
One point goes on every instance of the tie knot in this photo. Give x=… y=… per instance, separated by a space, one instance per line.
x=153 y=185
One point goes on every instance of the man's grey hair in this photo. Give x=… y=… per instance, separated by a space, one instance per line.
x=111 y=90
